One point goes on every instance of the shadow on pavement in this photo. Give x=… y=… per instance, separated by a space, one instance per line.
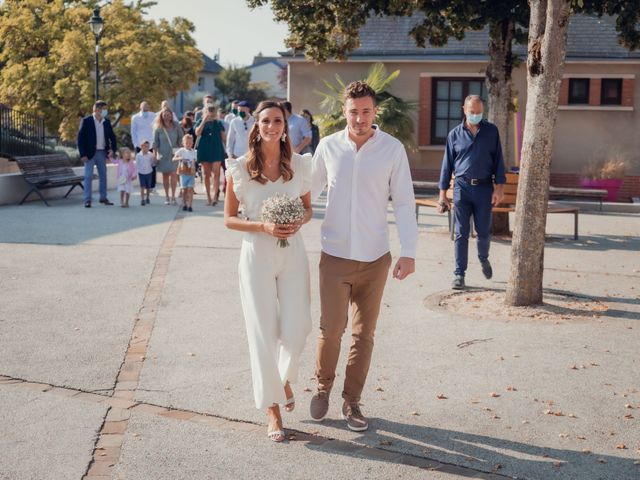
x=489 y=454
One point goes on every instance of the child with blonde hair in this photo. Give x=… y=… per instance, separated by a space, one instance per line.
x=186 y=157
x=144 y=164
x=126 y=173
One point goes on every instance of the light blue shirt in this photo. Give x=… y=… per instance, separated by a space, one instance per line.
x=299 y=129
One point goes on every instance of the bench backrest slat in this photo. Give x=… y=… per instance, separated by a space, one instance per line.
x=37 y=168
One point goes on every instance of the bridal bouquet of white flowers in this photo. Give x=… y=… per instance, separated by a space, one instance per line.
x=281 y=209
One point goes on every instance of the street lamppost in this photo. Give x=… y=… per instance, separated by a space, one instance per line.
x=97 y=25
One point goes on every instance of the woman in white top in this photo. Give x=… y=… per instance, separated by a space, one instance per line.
x=274 y=281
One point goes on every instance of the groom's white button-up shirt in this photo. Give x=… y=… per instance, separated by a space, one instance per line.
x=359 y=184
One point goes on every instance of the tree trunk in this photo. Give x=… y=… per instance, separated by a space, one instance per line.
x=499 y=87
x=545 y=62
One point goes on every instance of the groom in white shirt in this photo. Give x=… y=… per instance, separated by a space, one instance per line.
x=362 y=167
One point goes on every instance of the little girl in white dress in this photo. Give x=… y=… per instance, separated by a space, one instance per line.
x=274 y=281
x=126 y=173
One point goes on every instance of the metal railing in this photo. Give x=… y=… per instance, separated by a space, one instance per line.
x=21 y=133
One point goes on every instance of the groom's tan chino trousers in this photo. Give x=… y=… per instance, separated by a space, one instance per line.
x=361 y=284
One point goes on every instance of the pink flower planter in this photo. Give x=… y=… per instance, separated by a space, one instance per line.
x=611 y=185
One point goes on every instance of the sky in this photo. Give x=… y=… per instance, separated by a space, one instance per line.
x=227 y=26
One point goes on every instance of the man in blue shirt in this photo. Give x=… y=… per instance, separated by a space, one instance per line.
x=473 y=153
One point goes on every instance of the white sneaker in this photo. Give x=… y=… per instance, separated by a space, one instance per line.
x=167 y=201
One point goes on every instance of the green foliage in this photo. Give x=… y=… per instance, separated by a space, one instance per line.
x=234 y=83
x=47 y=50
x=394 y=114
x=330 y=29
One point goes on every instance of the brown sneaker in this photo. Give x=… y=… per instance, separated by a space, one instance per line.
x=319 y=405
x=355 y=420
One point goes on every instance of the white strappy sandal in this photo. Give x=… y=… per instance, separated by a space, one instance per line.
x=290 y=404
x=277 y=436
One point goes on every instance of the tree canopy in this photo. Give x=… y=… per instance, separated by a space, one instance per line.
x=234 y=83
x=47 y=53
x=329 y=29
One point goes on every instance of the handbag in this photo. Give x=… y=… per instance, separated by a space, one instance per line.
x=173 y=149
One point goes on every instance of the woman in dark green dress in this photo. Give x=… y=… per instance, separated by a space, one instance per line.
x=211 y=141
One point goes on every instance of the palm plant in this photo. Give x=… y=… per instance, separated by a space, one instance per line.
x=394 y=113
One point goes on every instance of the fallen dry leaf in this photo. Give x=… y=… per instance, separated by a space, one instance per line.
x=581 y=437
x=415 y=414
x=628 y=405
x=384 y=442
x=497 y=466
x=511 y=389
x=135 y=434
x=525 y=421
x=494 y=394
x=486 y=409
x=621 y=446
x=227 y=387
x=557 y=464
x=571 y=415
x=306 y=389
x=441 y=396
x=563 y=435
x=379 y=389
x=473 y=400
x=495 y=417
x=629 y=417
x=602 y=460
x=586 y=450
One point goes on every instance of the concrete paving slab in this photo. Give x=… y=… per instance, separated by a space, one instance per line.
x=417 y=357
x=198 y=357
x=162 y=448
x=69 y=311
x=44 y=435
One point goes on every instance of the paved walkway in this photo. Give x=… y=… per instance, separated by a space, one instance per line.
x=123 y=355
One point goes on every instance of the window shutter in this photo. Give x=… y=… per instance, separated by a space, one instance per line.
x=595 y=86
x=564 y=92
x=628 y=85
x=424 y=123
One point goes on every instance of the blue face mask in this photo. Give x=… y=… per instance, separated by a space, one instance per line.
x=105 y=112
x=474 y=118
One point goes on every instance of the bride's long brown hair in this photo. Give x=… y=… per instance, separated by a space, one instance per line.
x=255 y=159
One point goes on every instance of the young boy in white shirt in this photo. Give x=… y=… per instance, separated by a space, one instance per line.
x=144 y=163
x=187 y=170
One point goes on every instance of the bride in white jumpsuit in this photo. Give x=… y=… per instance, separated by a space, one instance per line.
x=274 y=281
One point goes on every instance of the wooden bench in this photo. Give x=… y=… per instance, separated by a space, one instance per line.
x=571 y=193
x=48 y=171
x=507 y=205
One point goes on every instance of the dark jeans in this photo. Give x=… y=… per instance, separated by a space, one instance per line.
x=471 y=200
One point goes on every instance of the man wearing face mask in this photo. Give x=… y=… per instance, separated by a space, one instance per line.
x=473 y=153
x=239 y=128
x=232 y=114
x=96 y=142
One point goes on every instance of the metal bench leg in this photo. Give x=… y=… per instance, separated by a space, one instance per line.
x=34 y=189
x=72 y=187
x=575 y=226
x=417 y=212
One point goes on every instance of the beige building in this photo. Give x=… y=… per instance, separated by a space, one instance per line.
x=598 y=113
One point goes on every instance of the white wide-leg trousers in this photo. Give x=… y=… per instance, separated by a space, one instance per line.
x=275 y=295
